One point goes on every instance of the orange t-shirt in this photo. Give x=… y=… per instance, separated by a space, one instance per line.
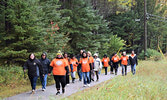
x=124 y=60
x=68 y=64
x=73 y=62
x=115 y=59
x=85 y=64
x=91 y=59
x=58 y=66
x=105 y=61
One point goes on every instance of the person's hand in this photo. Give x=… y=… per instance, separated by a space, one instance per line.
x=43 y=75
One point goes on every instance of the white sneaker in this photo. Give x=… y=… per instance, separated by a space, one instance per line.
x=33 y=91
x=68 y=84
x=43 y=89
x=88 y=85
x=84 y=85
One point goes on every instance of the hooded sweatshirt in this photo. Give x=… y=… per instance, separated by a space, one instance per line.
x=45 y=63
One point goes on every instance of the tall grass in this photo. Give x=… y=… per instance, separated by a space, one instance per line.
x=149 y=83
x=12 y=81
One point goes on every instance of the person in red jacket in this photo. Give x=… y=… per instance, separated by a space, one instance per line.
x=73 y=66
x=85 y=67
x=124 y=63
x=115 y=59
x=105 y=61
x=60 y=68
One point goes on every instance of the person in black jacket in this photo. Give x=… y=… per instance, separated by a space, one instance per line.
x=34 y=68
x=46 y=65
x=133 y=62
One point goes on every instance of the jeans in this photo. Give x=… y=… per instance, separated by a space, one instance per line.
x=86 y=78
x=105 y=70
x=97 y=75
x=133 y=69
x=33 y=81
x=79 y=72
x=44 y=81
x=73 y=74
x=124 y=67
x=115 y=67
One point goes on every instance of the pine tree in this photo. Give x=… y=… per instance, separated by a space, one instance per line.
x=20 y=30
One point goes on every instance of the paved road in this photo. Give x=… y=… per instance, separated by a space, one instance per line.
x=50 y=92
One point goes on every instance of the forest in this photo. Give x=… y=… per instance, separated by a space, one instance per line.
x=104 y=26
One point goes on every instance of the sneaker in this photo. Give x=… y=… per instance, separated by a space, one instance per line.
x=63 y=90
x=58 y=93
x=68 y=84
x=115 y=73
x=84 y=85
x=43 y=89
x=33 y=91
x=88 y=85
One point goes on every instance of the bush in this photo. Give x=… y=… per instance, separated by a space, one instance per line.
x=151 y=54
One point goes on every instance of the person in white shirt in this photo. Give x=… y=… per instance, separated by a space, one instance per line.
x=97 y=65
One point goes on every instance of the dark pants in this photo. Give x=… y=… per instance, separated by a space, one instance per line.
x=60 y=80
x=97 y=75
x=33 y=81
x=79 y=72
x=115 y=67
x=105 y=70
x=111 y=68
x=67 y=79
x=124 y=67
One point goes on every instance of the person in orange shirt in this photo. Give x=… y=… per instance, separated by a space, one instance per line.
x=68 y=63
x=85 y=67
x=115 y=59
x=124 y=63
x=60 y=68
x=105 y=61
x=73 y=65
x=91 y=59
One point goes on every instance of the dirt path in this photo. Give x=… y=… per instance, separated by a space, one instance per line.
x=50 y=93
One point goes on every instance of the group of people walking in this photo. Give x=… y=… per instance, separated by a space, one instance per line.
x=85 y=64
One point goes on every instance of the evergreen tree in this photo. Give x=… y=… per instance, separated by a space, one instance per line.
x=20 y=31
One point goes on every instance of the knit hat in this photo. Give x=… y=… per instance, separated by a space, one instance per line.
x=59 y=53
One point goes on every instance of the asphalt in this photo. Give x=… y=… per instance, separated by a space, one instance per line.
x=50 y=93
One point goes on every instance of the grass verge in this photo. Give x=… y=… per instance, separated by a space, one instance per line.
x=149 y=83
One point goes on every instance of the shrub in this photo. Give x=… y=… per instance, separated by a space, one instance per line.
x=151 y=54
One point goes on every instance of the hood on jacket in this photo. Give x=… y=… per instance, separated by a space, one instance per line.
x=30 y=58
x=44 y=53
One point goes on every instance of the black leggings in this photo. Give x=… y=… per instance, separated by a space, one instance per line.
x=60 y=79
x=67 y=79
x=115 y=67
x=97 y=74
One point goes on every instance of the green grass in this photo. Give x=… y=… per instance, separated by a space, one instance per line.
x=149 y=83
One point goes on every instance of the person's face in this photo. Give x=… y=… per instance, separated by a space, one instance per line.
x=73 y=57
x=32 y=56
x=81 y=51
x=88 y=54
x=124 y=54
x=95 y=57
x=115 y=55
x=65 y=55
x=133 y=52
x=59 y=56
x=43 y=56
x=84 y=54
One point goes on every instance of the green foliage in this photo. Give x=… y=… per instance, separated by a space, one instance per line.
x=151 y=53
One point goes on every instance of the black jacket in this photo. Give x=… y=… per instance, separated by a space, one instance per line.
x=34 y=67
x=45 y=64
x=133 y=60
